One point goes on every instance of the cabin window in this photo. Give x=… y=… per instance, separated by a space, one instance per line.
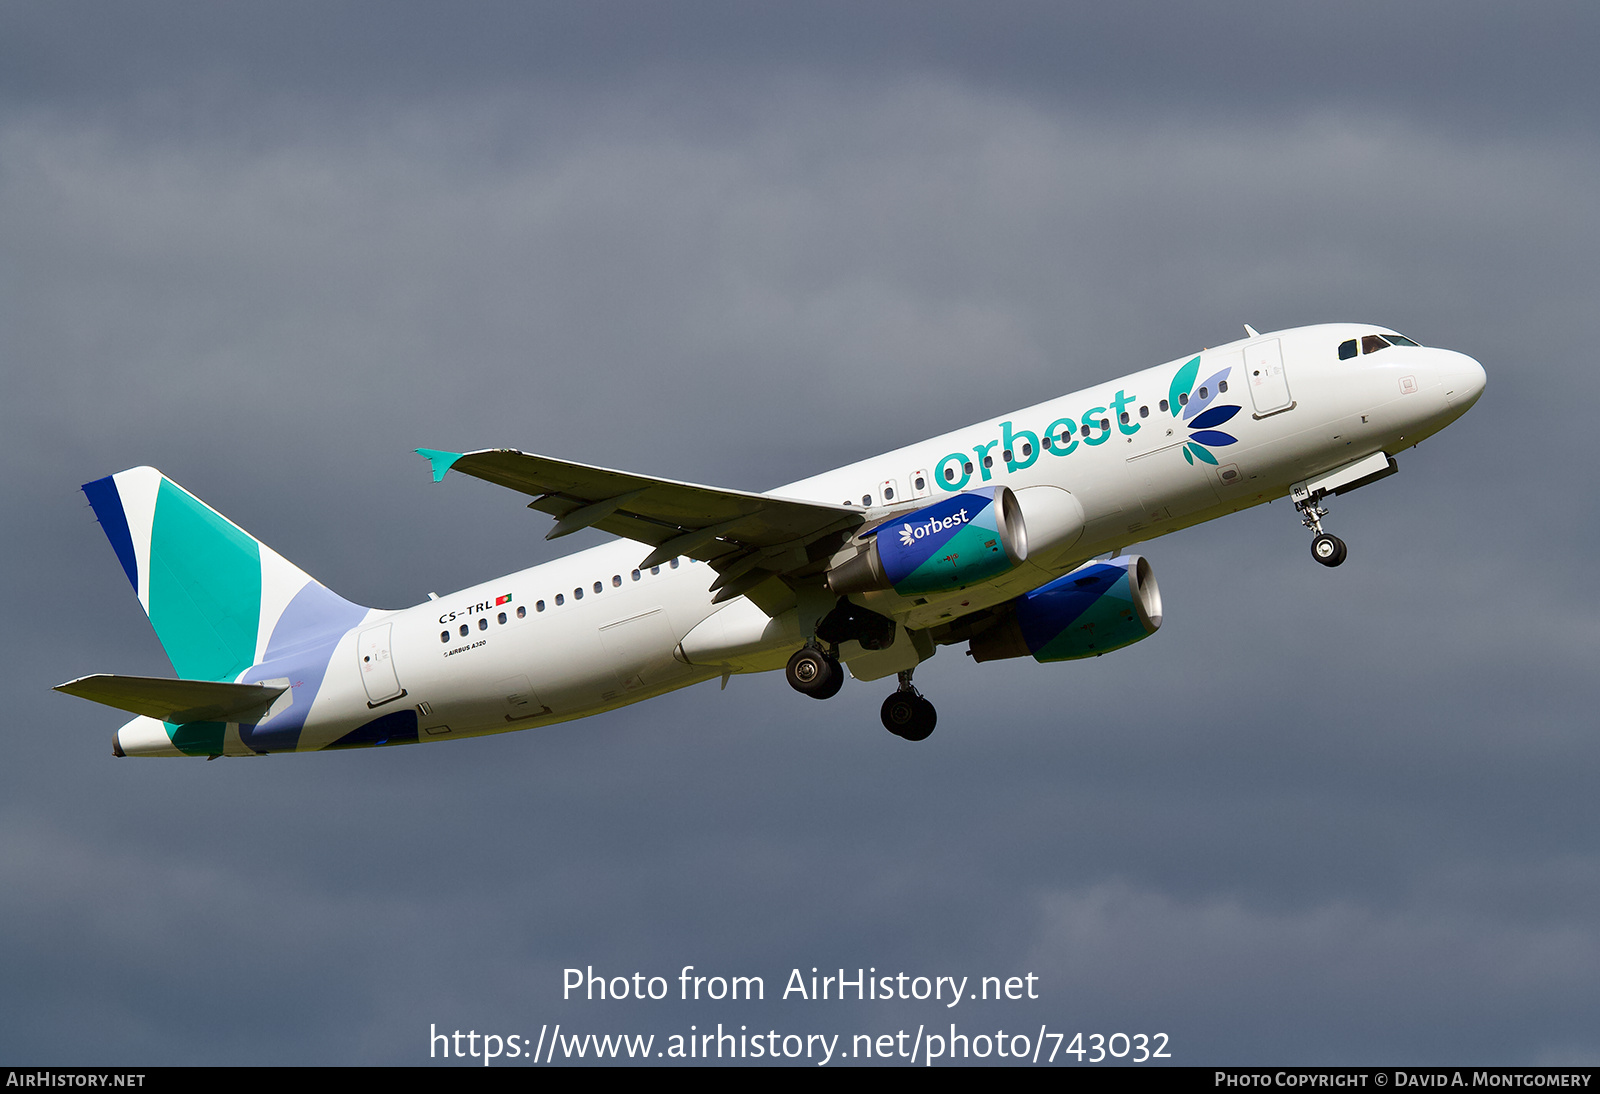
x=1204 y=394
x=502 y=618
x=988 y=461
x=598 y=585
x=444 y=636
x=1006 y=454
x=655 y=569
x=560 y=599
x=577 y=594
x=1046 y=441
x=483 y=622
x=888 y=493
x=949 y=474
x=1144 y=412
x=673 y=564
x=522 y=610
x=1183 y=400
x=636 y=575
x=967 y=467
x=1222 y=387
x=1163 y=404
x=616 y=581
x=922 y=483
x=1123 y=417
x=463 y=630
x=1027 y=449
x=1105 y=424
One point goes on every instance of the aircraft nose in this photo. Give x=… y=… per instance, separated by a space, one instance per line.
x=1463 y=380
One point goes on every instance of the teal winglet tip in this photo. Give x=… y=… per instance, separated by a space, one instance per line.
x=442 y=461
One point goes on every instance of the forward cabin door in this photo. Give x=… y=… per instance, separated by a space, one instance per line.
x=1269 y=385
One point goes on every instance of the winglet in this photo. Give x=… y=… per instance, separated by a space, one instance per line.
x=442 y=461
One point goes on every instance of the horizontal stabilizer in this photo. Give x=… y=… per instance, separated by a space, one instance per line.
x=176 y=701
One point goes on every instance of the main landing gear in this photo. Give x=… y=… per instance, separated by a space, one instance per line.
x=816 y=672
x=907 y=714
x=814 y=669
x=1325 y=548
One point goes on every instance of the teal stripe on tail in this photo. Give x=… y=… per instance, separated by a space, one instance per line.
x=205 y=587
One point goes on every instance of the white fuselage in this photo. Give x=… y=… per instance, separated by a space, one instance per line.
x=589 y=632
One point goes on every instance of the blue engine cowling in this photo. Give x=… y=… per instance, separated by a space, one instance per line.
x=960 y=541
x=1099 y=607
x=964 y=539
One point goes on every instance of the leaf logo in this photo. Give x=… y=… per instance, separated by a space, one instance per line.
x=1193 y=405
x=906 y=537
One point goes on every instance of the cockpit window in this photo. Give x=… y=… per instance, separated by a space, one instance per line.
x=1372 y=343
x=1400 y=340
x=1347 y=350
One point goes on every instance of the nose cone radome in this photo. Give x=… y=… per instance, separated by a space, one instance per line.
x=1463 y=380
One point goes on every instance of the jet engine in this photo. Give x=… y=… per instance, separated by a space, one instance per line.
x=1099 y=607
x=967 y=538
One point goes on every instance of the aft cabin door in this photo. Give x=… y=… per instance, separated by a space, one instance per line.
x=377 y=666
x=1269 y=386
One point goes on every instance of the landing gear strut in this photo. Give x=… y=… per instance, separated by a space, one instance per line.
x=816 y=672
x=1325 y=548
x=907 y=714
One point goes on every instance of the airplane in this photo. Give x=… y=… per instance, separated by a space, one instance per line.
x=1005 y=535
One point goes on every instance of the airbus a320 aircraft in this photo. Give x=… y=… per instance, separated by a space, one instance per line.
x=989 y=536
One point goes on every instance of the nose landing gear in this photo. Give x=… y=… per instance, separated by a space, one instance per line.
x=1325 y=548
x=1328 y=550
x=907 y=714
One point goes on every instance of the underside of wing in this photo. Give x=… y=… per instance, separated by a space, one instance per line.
x=748 y=538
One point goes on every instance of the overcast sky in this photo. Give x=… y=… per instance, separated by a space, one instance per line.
x=1324 y=816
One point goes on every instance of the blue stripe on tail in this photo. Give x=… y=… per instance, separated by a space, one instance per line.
x=107 y=505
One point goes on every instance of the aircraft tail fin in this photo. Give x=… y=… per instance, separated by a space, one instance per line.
x=219 y=599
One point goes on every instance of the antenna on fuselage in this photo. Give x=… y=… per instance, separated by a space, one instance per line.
x=1251 y=331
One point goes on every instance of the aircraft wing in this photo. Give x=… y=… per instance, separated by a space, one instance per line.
x=747 y=538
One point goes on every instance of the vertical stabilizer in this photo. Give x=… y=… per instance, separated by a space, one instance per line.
x=216 y=596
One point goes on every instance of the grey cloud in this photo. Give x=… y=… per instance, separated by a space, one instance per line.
x=1371 y=780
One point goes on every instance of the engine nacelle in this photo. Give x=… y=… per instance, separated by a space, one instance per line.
x=1099 y=607
x=968 y=538
x=964 y=539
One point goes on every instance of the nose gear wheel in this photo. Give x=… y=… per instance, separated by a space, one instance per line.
x=1326 y=548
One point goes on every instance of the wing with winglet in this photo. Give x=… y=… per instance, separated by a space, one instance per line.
x=747 y=538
